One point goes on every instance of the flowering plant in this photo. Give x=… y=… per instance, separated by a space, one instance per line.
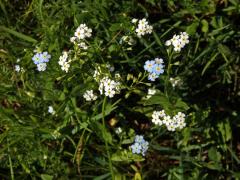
x=119 y=89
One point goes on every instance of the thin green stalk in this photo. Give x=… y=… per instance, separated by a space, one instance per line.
x=10 y=163
x=168 y=73
x=106 y=143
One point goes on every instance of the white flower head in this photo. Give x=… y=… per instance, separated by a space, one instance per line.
x=89 y=96
x=41 y=66
x=83 y=32
x=64 y=62
x=134 y=20
x=17 y=68
x=109 y=87
x=178 y=41
x=73 y=39
x=83 y=45
x=143 y=28
x=151 y=92
x=51 y=110
x=118 y=130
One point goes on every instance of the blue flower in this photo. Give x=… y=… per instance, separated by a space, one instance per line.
x=144 y=147
x=136 y=148
x=37 y=58
x=45 y=56
x=140 y=146
x=152 y=76
x=149 y=66
x=139 y=139
x=158 y=69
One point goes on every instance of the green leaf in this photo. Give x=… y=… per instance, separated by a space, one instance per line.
x=159 y=98
x=108 y=109
x=115 y=27
x=102 y=177
x=204 y=26
x=209 y=63
x=17 y=34
x=214 y=155
x=46 y=177
x=180 y=105
x=192 y=28
x=126 y=156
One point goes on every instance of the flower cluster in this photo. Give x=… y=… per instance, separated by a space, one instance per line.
x=109 y=87
x=89 y=96
x=40 y=59
x=64 y=62
x=178 y=121
x=143 y=27
x=178 y=41
x=81 y=33
x=155 y=68
x=140 y=146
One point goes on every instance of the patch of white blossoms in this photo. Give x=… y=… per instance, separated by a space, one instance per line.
x=178 y=41
x=161 y=118
x=109 y=87
x=64 y=62
x=81 y=33
x=89 y=96
x=143 y=27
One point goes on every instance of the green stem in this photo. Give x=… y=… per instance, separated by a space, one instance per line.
x=10 y=162
x=106 y=143
x=168 y=73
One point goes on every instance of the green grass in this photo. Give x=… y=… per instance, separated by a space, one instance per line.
x=80 y=141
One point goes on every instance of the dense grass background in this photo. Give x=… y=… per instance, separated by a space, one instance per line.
x=72 y=143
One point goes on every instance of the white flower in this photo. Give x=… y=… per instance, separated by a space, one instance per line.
x=73 y=39
x=178 y=121
x=83 y=45
x=110 y=93
x=89 y=96
x=178 y=41
x=167 y=120
x=134 y=20
x=118 y=130
x=109 y=87
x=64 y=62
x=82 y=32
x=17 y=68
x=65 y=67
x=168 y=42
x=159 y=61
x=18 y=60
x=143 y=28
x=150 y=93
x=41 y=66
x=175 y=81
x=51 y=110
